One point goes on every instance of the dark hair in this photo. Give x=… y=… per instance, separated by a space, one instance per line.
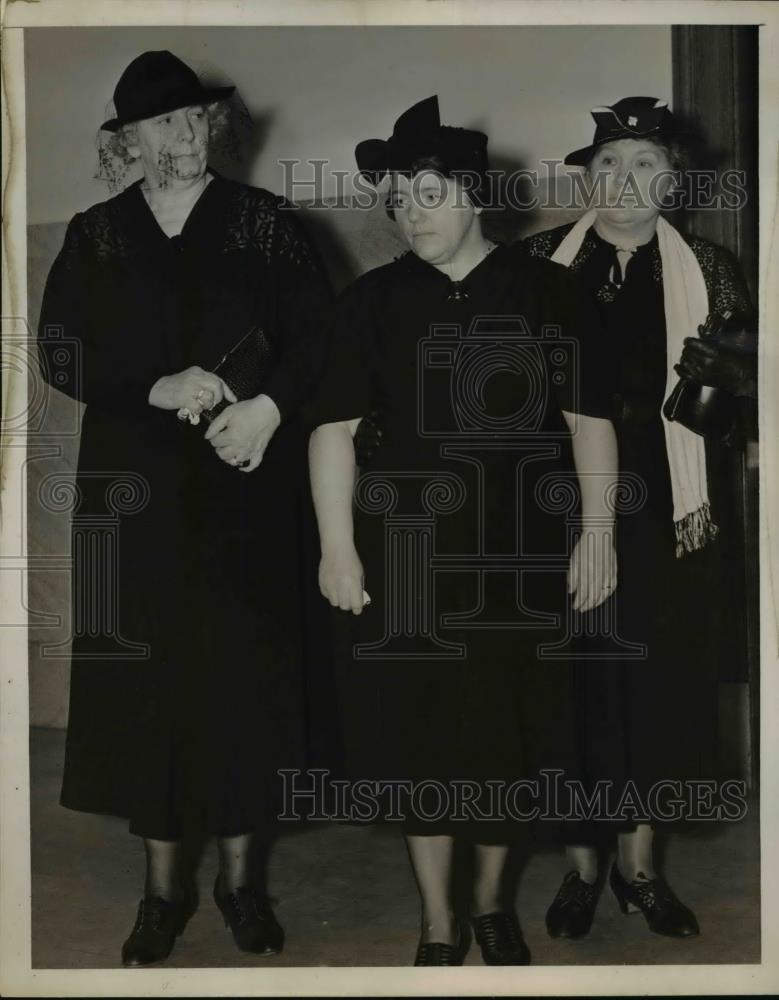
x=437 y=164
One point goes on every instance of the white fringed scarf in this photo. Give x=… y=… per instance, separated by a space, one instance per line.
x=686 y=307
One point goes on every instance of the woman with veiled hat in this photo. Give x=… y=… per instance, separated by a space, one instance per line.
x=440 y=383
x=647 y=713
x=181 y=724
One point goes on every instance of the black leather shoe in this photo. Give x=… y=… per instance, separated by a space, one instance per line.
x=571 y=912
x=438 y=953
x=157 y=926
x=249 y=916
x=500 y=938
x=655 y=899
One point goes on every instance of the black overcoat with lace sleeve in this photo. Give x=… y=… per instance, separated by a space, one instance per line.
x=646 y=699
x=185 y=688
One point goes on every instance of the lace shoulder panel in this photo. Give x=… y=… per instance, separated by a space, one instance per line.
x=250 y=219
x=545 y=243
x=292 y=242
x=265 y=222
x=101 y=229
x=724 y=278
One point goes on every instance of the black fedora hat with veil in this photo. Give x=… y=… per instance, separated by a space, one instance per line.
x=155 y=83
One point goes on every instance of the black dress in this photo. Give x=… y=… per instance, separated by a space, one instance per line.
x=648 y=712
x=185 y=687
x=443 y=676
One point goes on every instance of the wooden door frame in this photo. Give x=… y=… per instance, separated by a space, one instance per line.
x=715 y=87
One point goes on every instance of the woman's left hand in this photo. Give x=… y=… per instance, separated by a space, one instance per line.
x=592 y=574
x=241 y=432
x=718 y=364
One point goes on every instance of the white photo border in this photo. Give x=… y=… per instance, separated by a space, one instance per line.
x=17 y=978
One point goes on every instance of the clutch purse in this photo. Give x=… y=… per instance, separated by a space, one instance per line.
x=703 y=409
x=245 y=368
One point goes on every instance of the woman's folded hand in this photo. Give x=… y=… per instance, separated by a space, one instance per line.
x=242 y=432
x=341 y=579
x=592 y=574
x=193 y=389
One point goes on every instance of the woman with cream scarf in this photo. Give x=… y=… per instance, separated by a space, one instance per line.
x=646 y=705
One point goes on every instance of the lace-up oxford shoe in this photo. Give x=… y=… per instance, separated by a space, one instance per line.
x=653 y=897
x=439 y=953
x=248 y=914
x=573 y=908
x=500 y=939
x=158 y=924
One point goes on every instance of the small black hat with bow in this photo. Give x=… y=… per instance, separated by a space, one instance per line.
x=630 y=118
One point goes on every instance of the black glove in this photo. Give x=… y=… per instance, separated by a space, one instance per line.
x=727 y=362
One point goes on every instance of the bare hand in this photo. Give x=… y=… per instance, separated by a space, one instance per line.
x=193 y=389
x=241 y=433
x=592 y=574
x=341 y=579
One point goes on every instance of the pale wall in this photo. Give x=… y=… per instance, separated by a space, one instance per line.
x=315 y=92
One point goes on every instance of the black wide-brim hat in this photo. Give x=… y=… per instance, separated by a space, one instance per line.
x=419 y=133
x=630 y=118
x=156 y=83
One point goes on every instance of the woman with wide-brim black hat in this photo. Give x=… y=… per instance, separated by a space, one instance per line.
x=646 y=715
x=445 y=687
x=181 y=720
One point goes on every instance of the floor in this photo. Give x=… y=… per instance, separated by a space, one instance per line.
x=346 y=895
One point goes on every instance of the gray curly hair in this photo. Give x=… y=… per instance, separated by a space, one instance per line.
x=229 y=125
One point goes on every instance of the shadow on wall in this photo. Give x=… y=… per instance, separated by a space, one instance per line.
x=245 y=145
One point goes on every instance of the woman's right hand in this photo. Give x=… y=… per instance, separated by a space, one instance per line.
x=341 y=579
x=193 y=389
x=592 y=571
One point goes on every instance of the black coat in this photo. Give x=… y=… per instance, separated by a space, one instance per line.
x=185 y=690
x=652 y=715
x=444 y=676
